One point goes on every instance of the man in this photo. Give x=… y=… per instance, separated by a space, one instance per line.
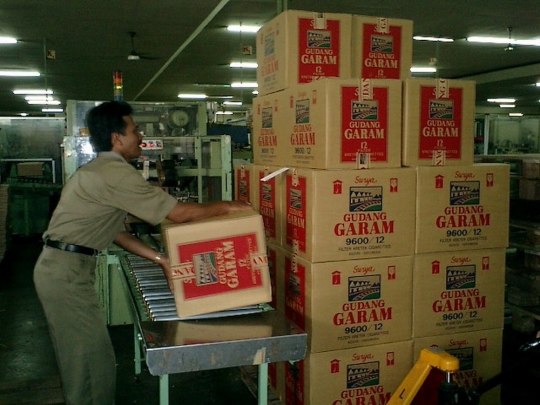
x=89 y=217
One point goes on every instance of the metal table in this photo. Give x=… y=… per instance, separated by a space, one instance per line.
x=174 y=346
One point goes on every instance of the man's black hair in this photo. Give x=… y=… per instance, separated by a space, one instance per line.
x=103 y=120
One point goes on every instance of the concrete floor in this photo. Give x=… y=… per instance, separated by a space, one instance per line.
x=28 y=373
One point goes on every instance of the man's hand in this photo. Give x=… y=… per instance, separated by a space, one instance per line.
x=167 y=270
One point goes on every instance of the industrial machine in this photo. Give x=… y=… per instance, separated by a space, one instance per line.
x=33 y=193
x=192 y=168
x=177 y=152
x=30 y=173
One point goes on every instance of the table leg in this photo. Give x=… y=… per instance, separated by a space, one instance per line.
x=137 y=346
x=164 y=389
x=262 y=392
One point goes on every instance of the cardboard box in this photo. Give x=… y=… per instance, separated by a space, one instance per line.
x=350 y=303
x=382 y=47
x=219 y=263
x=363 y=375
x=458 y=291
x=217 y=330
x=462 y=208
x=30 y=169
x=438 y=122
x=529 y=189
x=333 y=215
x=276 y=265
x=268 y=139
x=531 y=168
x=343 y=124
x=531 y=259
x=302 y=46
x=268 y=201
x=480 y=358
x=244 y=183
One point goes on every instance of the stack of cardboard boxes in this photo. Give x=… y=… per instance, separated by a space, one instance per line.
x=383 y=237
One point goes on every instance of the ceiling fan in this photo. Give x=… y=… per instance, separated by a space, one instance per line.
x=134 y=55
x=511 y=46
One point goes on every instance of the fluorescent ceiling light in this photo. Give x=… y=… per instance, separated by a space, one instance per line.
x=243 y=28
x=244 y=84
x=32 y=91
x=8 y=40
x=212 y=85
x=196 y=96
x=432 y=39
x=232 y=103
x=44 y=102
x=222 y=97
x=501 y=100
x=20 y=73
x=515 y=114
x=38 y=97
x=255 y=92
x=244 y=65
x=55 y=110
x=508 y=41
x=507 y=105
x=423 y=69
x=224 y=112
x=23 y=114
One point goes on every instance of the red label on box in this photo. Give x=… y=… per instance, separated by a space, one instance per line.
x=220 y=266
x=272 y=267
x=294 y=383
x=267 y=204
x=440 y=123
x=295 y=293
x=381 y=56
x=364 y=124
x=243 y=185
x=318 y=50
x=296 y=212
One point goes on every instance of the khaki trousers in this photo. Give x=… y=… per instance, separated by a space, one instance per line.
x=64 y=283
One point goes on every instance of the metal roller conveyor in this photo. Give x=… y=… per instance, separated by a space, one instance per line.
x=229 y=338
x=151 y=285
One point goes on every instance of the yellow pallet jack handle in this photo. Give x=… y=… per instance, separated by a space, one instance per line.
x=432 y=357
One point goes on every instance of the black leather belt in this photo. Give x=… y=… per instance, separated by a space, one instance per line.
x=71 y=248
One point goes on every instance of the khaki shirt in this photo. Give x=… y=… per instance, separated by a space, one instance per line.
x=95 y=201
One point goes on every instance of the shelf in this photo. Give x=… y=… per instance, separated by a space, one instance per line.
x=533 y=312
x=524 y=224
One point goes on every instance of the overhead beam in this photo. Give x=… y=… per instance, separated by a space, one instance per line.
x=505 y=74
x=193 y=35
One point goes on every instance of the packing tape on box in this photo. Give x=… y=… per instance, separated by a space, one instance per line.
x=319 y=21
x=274 y=174
x=439 y=157
x=383 y=25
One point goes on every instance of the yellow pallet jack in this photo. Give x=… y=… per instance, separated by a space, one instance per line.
x=449 y=392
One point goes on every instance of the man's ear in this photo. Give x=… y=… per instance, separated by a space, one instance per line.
x=116 y=138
